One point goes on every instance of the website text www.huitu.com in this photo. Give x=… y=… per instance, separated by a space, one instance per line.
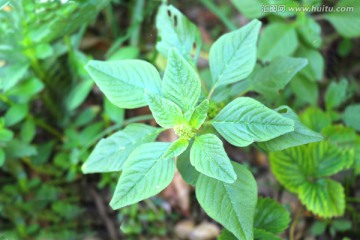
x=323 y=8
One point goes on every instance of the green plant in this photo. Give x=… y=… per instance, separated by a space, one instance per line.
x=295 y=29
x=42 y=85
x=226 y=190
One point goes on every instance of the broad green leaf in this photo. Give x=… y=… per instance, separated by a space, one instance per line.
x=310 y=32
x=347 y=21
x=274 y=77
x=110 y=154
x=6 y=135
x=233 y=55
x=324 y=197
x=277 y=39
x=88 y=115
x=166 y=113
x=341 y=225
x=175 y=30
x=315 y=119
x=351 y=116
x=187 y=171
x=18 y=149
x=301 y=134
x=245 y=120
x=181 y=83
x=28 y=130
x=271 y=216
x=11 y=74
x=250 y=9
x=124 y=82
x=111 y=111
x=336 y=94
x=123 y=53
x=26 y=89
x=176 y=148
x=78 y=94
x=315 y=69
x=295 y=166
x=199 y=115
x=260 y=234
x=328 y=159
x=289 y=167
x=318 y=228
x=260 y=8
x=232 y=205
x=343 y=137
x=145 y=174
x=208 y=156
x=15 y=114
x=306 y=91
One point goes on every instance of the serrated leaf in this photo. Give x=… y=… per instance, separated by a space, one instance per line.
x=233 y=55
x=199 y=115
x=328 y=159
x=274 y=77
x=208 y=156
x=346 y=23
x=181 y=83
x=232 y=205
x=301 y=134
x=176 y=148
x=315 y=119
x=166 y=113
x=277 y=39
x=245 y=120
x=187 y=171
x=271 y=216
x=145 y=174
x=175 y=30
x=336 y=94
x=324 y=197
x=117 y=79
x=294 y=166
x=110 y=154
x=351 y=116
x=343 y=137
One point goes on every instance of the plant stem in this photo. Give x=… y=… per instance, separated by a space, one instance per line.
x=211 y=92
x=294 y=223
x=219 y=13
x=49 y=128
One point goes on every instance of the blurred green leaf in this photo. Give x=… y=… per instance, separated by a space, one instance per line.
x=346 y=22
x=277 y=39
x=351 y=116
x=336 y=94
x=15 y=114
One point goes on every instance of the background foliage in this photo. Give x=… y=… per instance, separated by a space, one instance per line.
x=52 y=115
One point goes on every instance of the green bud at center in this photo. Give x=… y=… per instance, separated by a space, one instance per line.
x=184 y=131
